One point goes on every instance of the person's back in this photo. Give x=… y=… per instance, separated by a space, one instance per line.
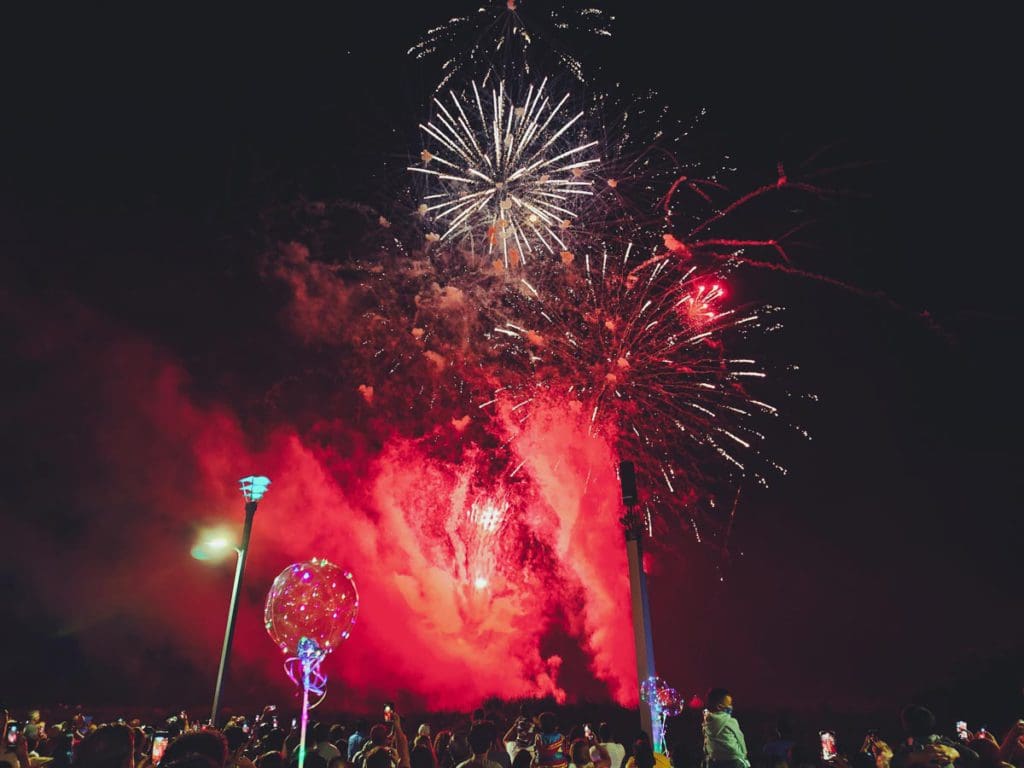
x=237 y=742
x=313 y=760
x=616 y=752
x=498 y=754
x=924 y=747
x=724 y=745
x=270 y=759
x=579 y=753
x=377 y=739
x=549 y=745
x=482 y=736
x=644 y=755
x=324 y=747
x=779 y=747
x=357 y=739
x=339 y=738
x=109 y=746
x=422 y=756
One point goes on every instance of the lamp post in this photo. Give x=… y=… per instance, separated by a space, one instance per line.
x=252 y=488
x=633 y=524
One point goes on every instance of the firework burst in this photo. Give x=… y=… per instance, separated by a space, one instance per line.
x=640 y=349
x=506 y=177
x=501 y=38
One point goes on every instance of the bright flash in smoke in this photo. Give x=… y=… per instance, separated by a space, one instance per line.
x=477 y=539
x=508 y=177
x=488 y=514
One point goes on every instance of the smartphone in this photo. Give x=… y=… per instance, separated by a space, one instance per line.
x=588 y=732
x=13 y=731
x=274 y=722
x=160 y=739
x=245 y=727
x=961 y=730
x=387 y=713
x=828 y=745
x=295 y=723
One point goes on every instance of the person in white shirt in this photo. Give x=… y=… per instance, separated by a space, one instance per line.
x=616 y=752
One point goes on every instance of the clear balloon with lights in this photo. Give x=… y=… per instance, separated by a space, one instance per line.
x=311 y=608
x=665 y=702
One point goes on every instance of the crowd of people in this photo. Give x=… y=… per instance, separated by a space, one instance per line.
x=486 y=739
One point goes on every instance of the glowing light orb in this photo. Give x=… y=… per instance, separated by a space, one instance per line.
x=213 y=544
x=480 y=582
x=315 y=600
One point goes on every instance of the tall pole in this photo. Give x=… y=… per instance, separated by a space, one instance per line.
x=634 y=530
x=229 y=631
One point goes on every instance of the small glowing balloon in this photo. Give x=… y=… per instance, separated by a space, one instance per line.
x=669 y=702
x=315 y=600
x=649 y=689
x=661 y=697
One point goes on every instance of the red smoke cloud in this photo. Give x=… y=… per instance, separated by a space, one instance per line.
x=461 y=575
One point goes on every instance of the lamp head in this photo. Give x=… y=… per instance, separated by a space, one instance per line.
x=213 y=545
x=253 y=487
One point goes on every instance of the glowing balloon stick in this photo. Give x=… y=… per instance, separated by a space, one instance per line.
x=313 y=680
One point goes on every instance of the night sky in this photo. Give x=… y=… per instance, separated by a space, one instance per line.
x=141 y=152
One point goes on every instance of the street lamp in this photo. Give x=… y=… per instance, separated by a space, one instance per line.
x=253 y=488
x=633 y=525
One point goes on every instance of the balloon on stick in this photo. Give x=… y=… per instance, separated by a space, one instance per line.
x=664 y=701
x=311 y=607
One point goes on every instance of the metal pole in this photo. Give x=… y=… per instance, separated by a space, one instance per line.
x=305 y=713
x=229 y=631
x=641 y=627
x=642 y=639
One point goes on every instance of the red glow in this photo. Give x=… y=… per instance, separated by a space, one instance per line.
x=467 y=569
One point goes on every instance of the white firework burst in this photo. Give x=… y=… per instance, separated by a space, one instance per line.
x=496 y=39
x=509 y=178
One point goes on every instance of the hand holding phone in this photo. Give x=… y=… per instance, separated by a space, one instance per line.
x=961 y=730
x=828 y=745
x=12 y=734
x=160 y=739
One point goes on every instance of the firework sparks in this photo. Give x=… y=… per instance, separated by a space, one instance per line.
x=477 y=542
x=638 y=348
x=506 y=177
x=498 y=38
x=638 y=343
